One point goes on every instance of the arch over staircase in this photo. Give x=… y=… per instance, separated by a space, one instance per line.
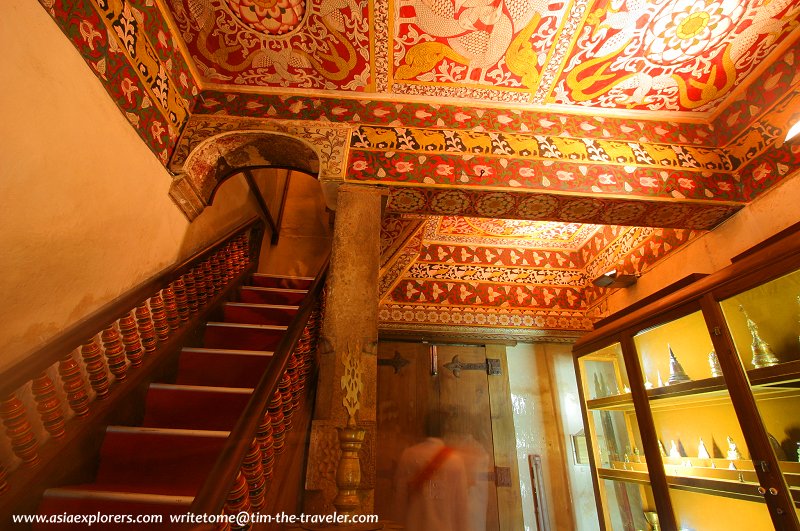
x=221 y=156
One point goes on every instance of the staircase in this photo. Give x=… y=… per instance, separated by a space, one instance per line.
x=157 y=468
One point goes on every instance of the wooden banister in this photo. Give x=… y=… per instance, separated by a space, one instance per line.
x=214 y=492
x=119 y=348
x=40 y=359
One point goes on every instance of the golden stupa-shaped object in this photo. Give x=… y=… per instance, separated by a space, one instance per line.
x=676 y=372
x=762 y=353
x=713 y=362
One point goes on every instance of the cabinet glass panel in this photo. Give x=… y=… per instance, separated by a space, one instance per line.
x=764 y=324
x=628 y=505
x=698 y=432
x=692 y=511
x=615 y=439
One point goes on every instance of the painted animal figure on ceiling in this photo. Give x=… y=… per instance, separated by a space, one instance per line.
x=477 y=33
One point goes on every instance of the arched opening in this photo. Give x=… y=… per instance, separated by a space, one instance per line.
x=222 y=156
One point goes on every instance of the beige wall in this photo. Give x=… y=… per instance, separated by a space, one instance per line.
x=544 y=397
x=305 y=233
x=85 y=213
x=768 y=214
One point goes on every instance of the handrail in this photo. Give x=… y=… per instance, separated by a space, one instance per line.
x=214 y=492
x=43 y=357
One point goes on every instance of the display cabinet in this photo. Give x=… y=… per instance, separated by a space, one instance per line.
x=692 y=403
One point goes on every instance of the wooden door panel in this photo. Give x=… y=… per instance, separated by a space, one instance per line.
x=464 y=403
x=408 y=392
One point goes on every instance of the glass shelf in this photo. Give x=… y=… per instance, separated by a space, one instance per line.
x=695 y=422
x=616 y=442
x=763 y=323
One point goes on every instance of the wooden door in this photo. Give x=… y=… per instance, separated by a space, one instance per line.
x=458 y=391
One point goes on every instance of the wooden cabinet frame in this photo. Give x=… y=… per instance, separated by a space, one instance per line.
x=767 y=263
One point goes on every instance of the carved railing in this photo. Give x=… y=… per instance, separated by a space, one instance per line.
x=240 y=477
x=107 y=355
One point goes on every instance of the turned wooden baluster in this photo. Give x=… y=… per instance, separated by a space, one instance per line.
x=285 y=388
x=3 y=478
x=147 y=332
x=264 y=436
x=216 y=272
x=241 y=255
x=73 y=385
x=199 y=286
x=293 y=370
x=254 y=474
x=191 y=291
x=19 y=430
x=230 y=267
x=130 y=338
x=160 y=324
x=49 y=406
x=171 y=309
x=278 y=426
x=179 y=288
x=238 y=500
x=115 y=353
x=211 y=287
x=96 y=369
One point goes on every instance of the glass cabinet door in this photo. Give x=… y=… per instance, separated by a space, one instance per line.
x=616 y=443
x=699 y=436
x=764 y=324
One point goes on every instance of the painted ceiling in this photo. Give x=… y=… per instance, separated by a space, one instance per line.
x=591 y=127
x=667 y=55
x=502 y=278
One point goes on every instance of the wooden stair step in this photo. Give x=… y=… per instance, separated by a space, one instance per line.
x=92 y=499
x=271 y=295
x=222 y=367
x=158 y=460
x=280 y=281
x=242 y=336
x=249 y=313
x=194 y=407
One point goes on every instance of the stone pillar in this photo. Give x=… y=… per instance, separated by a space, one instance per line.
x=348 y=349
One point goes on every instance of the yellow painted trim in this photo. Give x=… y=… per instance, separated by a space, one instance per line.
x=166 y=14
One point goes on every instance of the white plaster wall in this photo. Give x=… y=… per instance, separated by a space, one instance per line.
x=85 y=213
x=544 y=397
x=770 y=213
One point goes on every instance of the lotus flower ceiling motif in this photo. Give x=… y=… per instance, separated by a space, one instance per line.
x=663 y=55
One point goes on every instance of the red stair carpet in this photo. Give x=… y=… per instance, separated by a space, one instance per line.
x=158 y=467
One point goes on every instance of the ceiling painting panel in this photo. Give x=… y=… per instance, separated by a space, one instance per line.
x=553 y=207
x=779 y=81
x=769 y=169
x=143 y=91
x=541 y=147
x=670 y=55
x=452 y=284
x=305 y=44
x=475 y=293
x=395 y=231
x=519 y=324
x=473 y=171
x=519 y=234
x=125 y=24
x=166 y=45
x=398 y=113
x=499 y=255
x=493 y=50
x=633 y=252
